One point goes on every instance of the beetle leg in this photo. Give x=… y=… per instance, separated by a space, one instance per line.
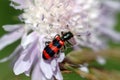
x=68 y=42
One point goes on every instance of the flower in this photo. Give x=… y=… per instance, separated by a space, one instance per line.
x=106 y=20
x=31 y=56
x=43 y=19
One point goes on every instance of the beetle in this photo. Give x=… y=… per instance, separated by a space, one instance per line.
x=54 y=46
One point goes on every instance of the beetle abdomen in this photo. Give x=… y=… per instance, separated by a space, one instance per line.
x=53 y=48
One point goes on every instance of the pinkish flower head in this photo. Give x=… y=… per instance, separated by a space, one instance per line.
x=43 y=19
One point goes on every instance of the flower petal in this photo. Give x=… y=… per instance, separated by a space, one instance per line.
x=21 y=4
x=11 y=28
x=37 y=73
x=27 y=39
x=20 y=66
x=115 y=36
x=46 y=69
x=114 y=5
x=10 y=38
x=18 y=4
x=58 y=74
x=61 y=58
x=53 y=64
x=16 y=51
x=32 y=60
x=26 y=59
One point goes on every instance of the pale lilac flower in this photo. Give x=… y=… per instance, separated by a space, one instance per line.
x=43 y=19
x=107 y=20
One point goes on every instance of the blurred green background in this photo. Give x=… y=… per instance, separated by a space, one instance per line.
x=8 y=15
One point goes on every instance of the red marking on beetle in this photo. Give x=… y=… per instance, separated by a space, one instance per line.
x=46 y=54
x=54 y=48
x=61 y=42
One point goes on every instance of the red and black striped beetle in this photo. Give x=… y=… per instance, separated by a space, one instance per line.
x=53 y=47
